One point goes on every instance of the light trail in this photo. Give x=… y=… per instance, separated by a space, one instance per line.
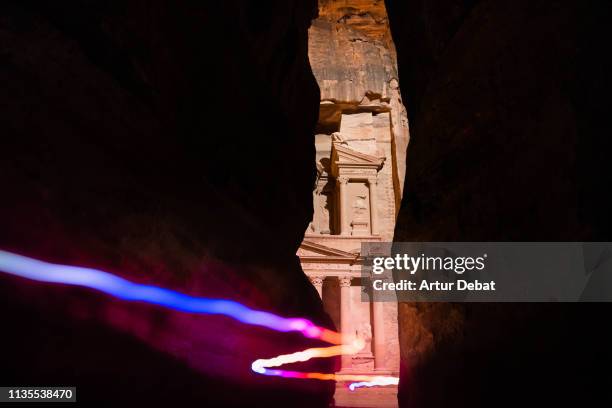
x=113 y=285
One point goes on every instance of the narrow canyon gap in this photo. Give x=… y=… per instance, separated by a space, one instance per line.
x=360 y=142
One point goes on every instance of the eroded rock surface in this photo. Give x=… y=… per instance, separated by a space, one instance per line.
x=506 y=102
x=170 y=143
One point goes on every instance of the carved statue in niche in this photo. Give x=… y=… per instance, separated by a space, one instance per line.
x=324 y=201
x=364 y=332
x=323 y=204
x=314 y=224
x=360 y=208
x=361 y=220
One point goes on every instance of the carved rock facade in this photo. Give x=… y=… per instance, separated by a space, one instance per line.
x=360 y=142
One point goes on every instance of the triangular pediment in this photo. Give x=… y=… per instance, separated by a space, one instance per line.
x=311 y=251
x=342 y=154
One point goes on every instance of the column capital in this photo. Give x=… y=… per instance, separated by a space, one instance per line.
x=342 y=179
x=316 y=281
x=345 y=281
x=373 y=180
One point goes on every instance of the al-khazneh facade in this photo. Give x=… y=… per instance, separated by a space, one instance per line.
x=361 y=145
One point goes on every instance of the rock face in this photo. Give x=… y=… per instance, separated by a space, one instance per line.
x=350 y=60
x=353 y=59
x=172 y=144
x=506 y=102
x=366 y=16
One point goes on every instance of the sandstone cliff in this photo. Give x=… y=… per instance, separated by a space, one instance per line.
x=353 y=59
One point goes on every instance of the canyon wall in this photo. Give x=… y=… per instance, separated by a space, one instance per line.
x=170 y=143
x=509 y=142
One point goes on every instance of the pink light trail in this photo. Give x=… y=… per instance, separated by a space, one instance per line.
x=113 y=285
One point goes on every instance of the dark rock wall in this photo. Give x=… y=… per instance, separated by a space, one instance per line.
x=509 y=142
x=169 y=142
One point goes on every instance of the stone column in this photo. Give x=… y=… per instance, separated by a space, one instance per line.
x=343 y=196
x=317 y=282
x=345 y=317
x=372 y=184
x=379 y=335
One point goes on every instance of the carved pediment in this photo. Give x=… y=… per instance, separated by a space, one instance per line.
x=343 y=156
x=312 y=252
